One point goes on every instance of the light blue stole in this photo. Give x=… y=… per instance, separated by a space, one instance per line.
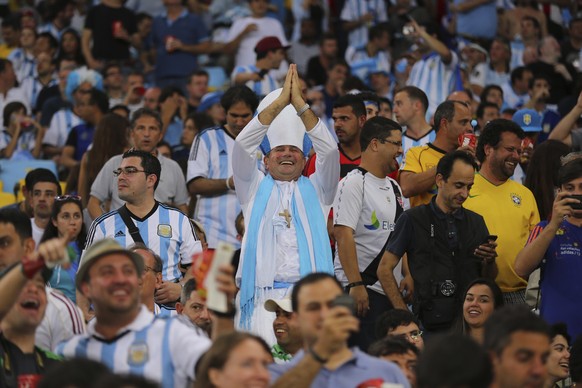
x=319 y=239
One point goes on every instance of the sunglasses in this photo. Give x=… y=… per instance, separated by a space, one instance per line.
x=68 y=197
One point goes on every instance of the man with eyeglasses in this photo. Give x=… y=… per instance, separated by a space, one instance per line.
x=164 y=229
x=366 y=207
x=151 y=278
x=400 y=323
x=446 y=245
x=145 y=134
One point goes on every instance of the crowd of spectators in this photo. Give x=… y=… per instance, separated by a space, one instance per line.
x=455 y=231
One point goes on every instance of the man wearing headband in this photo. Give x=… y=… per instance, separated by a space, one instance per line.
x=285 y=213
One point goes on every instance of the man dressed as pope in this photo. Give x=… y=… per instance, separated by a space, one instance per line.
x=285 y=213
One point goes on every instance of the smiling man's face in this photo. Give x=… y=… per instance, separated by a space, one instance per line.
x=285 y=163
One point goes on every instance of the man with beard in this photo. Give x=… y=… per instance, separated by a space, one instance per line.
x=164 y=229
x=366 y=208
x=554 y=245
x=349 y=116
x=289 y=339
x=509 y=208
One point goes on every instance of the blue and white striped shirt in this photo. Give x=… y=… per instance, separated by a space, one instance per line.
x=24 y=64
x=211 y=158
x=436 y=79
x=163 y=350
x=61 y=124
x=353 y=10
x=165 y=230
x=261 y=88
x=409 y=142
x=362 y=65
x=517 y=50
x=25 y=142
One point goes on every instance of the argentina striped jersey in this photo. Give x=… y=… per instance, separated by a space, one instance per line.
x=362 y=65
x=61 y=124
x=261 y=88
x=409 y=142
x=163 y=350
x=353 y=10
x=435 y=78
x=165 y=230
x=211 y=158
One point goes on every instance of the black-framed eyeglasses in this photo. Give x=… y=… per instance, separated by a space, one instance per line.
x=415 y=335
x=128 y=171
x=68 y=197
x=396 y=143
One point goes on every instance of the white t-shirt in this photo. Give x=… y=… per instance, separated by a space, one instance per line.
x=366 y=204
x=36 y=232
x=62 y=320
x=267 y=26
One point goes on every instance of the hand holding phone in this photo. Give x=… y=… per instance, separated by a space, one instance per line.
x=346 y=301
x=491 y=237
x=574 y=205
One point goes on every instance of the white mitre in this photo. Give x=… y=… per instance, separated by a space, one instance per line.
x=286 y=129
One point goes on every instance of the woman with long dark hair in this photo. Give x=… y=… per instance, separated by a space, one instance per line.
x=67 y=221
x=542 y=174
x=110 y=139
x=70 y=47
x=482 y=297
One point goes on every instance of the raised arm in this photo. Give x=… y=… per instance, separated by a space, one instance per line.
x=433 y=42
x=563 y=131
x=531 y=255
x=12 y=282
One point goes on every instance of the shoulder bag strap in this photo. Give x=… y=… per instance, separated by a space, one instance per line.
x=369 y=275
x=133 y=230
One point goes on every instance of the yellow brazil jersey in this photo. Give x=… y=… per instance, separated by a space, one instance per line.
x=510 y=212
x=420 y=159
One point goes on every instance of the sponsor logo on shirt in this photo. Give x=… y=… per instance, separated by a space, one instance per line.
x=375 y=224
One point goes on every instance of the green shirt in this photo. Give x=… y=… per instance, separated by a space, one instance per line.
x=280 y=355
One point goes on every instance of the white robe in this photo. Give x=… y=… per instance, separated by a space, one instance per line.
x=247 y=178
